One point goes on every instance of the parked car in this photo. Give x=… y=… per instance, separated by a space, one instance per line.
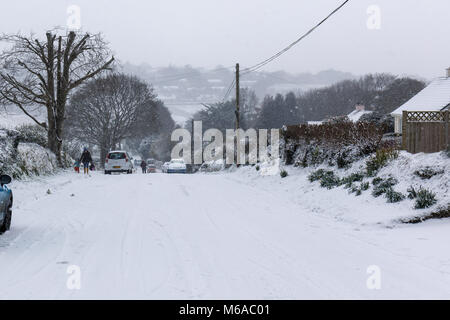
x=176 y=166
x=118 y=161
x=6 y=202
x=164 y=167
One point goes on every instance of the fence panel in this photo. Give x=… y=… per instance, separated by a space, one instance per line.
x=425 y=131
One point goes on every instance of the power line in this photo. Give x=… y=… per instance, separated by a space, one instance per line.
x=273 y=57
x=276 y=55
x=230 y=88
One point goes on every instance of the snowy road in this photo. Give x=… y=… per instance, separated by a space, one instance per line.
x=162 y=236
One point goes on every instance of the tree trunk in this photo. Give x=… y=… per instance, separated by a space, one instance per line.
x=55 y=116
x=103 y=152
x=55 y=144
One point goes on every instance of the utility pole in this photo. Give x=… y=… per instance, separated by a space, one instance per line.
x=191 y=166
x=237 y=96
x=238 y=138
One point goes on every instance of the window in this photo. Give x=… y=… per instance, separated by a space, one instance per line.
x=116 y=155
x=398 y=124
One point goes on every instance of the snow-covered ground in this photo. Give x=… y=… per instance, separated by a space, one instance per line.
x=236 y=235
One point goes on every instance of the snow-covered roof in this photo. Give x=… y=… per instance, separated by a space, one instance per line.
x=434 y=97
x=117 y=151
x=315 y=122
x=356 y=114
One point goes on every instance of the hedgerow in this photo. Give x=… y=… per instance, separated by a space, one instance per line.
x=337 y=144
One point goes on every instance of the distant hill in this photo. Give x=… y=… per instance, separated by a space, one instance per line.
x=184 y=89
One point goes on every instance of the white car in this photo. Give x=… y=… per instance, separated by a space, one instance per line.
x=118 y=161
x=165 y=166
x=176 y=166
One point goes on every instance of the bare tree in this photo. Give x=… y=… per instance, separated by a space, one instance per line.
x=44 y=72
x=105 y=110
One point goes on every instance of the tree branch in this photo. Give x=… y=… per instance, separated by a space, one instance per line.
x=91 y=74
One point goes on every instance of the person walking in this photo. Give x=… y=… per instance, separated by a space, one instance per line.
x=85 y=159
x=77 y=166
x=144 y=166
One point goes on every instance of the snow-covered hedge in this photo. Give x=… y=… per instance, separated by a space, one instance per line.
x=33 y=134
x=8 y=151
x=33 y=159
x=22 y=153
x=335 y=143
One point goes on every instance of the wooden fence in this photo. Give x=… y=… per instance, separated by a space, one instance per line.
x=425 y=131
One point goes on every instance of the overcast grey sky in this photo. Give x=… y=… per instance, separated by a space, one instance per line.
x=413 y=37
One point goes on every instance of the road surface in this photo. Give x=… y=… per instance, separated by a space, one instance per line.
x=204 y=236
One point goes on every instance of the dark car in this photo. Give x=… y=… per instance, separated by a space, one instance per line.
x=151 y=168
x=6 y=201
x=151 y=165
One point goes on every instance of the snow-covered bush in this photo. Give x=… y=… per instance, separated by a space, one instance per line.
x=358 y=189
x=283 y=173
x=364 y=186
x=318 y=174
x=384 y=186
x=20 y=159
x=356 y=176
x=424 y=199
x=32 y=133
x=330 y=180
x=9 y=140
x=428 y=172
x=379 y=160
x=441 y=213
x=327 y=178
x=412 y=192
x=33 y=159
x=393 y=196
x=343 y=160
x=354 y=189
x=376 y=180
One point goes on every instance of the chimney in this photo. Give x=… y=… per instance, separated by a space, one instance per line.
x=448 y=72
x=360 y=107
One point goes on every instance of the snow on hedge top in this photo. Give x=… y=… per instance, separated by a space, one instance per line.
x=434 y=97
